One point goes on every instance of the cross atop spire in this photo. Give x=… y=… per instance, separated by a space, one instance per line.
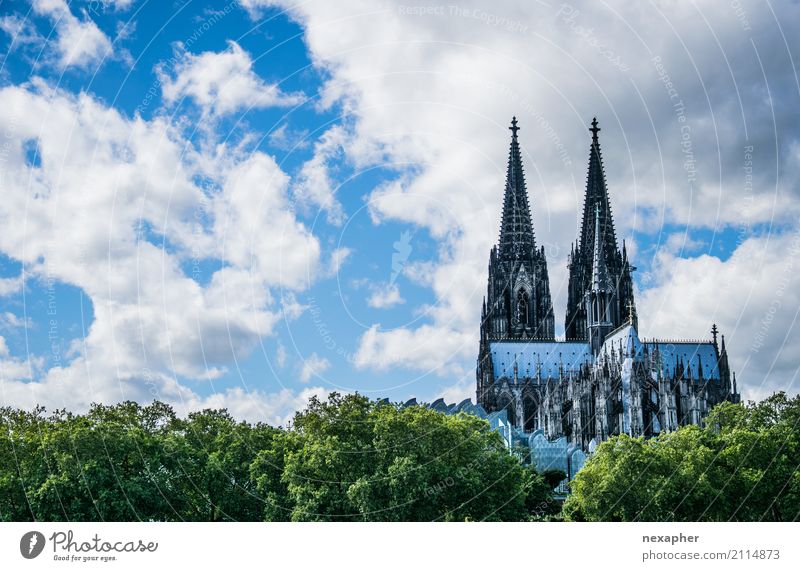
x=594 y=129
x=514 y=127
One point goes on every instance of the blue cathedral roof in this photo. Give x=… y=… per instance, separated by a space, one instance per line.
x=547 y=357
x=529 y=356
x=694 y=354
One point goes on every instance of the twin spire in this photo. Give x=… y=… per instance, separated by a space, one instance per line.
x=595 y=261
x=517 y=239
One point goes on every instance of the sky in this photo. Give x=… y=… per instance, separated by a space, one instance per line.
x=249 y=203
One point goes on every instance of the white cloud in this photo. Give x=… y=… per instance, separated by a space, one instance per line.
x=221 y=82
x=385 y=296
x=754 y=297
x=80 y=43
x=16 y=369
x=285 y=138
x=280 y=355
x=682 y=244
x=154 y=324
x=255 y=197
x=437 y=350
x=9 y=320
x=337 y=260
x=464 y=388
x=313 y=366
x=437 y=102
x=315 y=186
x=119 y=5
x=21 y=30
x=274 y=408
x=9 y=286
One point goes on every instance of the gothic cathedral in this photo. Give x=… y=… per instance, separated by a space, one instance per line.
x=602 y=379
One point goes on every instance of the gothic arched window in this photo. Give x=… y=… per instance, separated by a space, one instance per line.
x=523 y=309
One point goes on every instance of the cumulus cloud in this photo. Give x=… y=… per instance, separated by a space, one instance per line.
x=337 y=260
x=16 y=369
x=315 y=185
x=437 y=350
x=385 y=296
x=10 y=286
x=276 y=408
x=221 y=82
x=699 y=129
x=79 y=42
x=118 y=183
x=753 y=296
x=285 y=138
x=313 y=366
x=21 y=30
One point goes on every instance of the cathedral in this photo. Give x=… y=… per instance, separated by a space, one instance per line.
x=602 y=379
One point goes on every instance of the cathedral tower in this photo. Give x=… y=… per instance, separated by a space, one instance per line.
x=597 y=230
x=518 y=304
x=518 y=296
x=599 y=297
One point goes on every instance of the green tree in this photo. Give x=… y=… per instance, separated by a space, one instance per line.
x=741 y=466
x=105 y=465
x=212 y=455
x=351 y=458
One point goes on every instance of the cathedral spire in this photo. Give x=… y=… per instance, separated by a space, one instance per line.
x=600 y=278
x=599 y=295
x=597 y=196
x=516 y=229
x=597 y=233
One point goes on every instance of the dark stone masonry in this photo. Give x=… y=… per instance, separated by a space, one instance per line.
x=602 y=379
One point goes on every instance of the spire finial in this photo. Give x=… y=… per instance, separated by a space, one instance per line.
x=714 y=332
x=514 y=127
x=595 y=129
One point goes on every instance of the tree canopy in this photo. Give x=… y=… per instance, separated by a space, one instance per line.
x=347 y=458
x=742 y=465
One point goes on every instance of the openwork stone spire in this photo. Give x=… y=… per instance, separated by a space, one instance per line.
x=597 y=197
x=597 y=236
x=601 y=281
x=516 y=229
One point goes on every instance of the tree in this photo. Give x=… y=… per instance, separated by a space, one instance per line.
x=211 y=459
x=346 y=458
x=742 y=466
x=350 y=458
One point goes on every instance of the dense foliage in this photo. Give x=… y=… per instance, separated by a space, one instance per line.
x=348 y=458
x=741 y=466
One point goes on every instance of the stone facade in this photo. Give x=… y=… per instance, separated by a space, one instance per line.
x=602 y=379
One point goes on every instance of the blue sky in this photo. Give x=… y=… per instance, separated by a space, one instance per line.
x=244 y=204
